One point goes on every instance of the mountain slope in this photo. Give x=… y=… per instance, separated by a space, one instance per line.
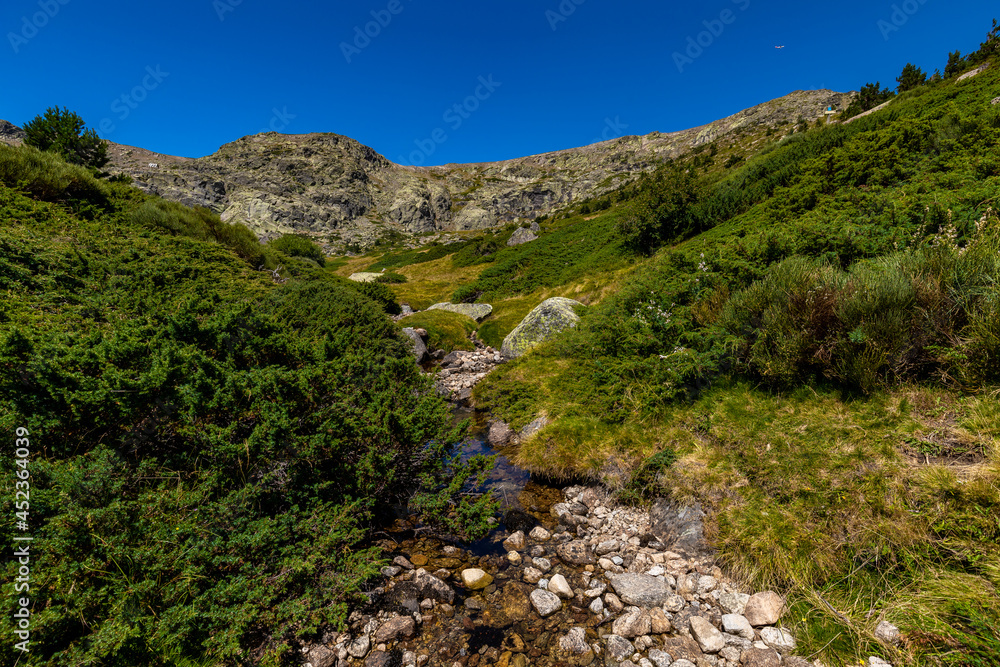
x=345 y=193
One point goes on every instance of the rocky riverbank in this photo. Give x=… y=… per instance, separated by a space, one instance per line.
x=587 y=582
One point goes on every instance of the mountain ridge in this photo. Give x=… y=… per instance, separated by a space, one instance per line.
x=346 y=194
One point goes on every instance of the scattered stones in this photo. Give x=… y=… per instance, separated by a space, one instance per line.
x=403 y=562
x=542 y=564
x=395 y=629
x=596 y=606
x=764 y=608
x=995 y=100
x=544 y=602
x=661 y=624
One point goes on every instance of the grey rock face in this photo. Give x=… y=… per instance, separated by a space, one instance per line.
x=11 y=134
x=547 y=319
x=477 y=311
x=641 y=590
x=679 y=528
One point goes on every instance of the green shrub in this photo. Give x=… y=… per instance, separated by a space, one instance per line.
x=46 y=176
x=298 y=246
x=391 y=278
x=445 y=330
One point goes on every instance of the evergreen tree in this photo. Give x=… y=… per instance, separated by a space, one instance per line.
x=956 y=63
x=62 y=131
x=987 y=49
x=911 y=77
x=870 y=96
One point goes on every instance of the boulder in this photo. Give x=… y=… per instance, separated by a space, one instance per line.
x=574 y=641
x=561 y=587
x=544 y=602
x=475 y=579
x=764 y=608
x=417 y=344
x=575 y=552
x=660 y=658
x=736 y=624
x=760 y=657
x=521 y=235
x=476 y=311
x=708 y=637
x=396 y=628
x=433 y=588
x=515 y=542
x=618 y=647
x=633 y=623
x=500 y=434
x=547 y=319
x=640 y=590
x=887 y=633
x=778 y=639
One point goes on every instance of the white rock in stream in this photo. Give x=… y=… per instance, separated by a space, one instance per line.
x=561 y=587
x=474 y=578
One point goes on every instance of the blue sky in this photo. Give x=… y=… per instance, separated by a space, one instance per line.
x=450 y=81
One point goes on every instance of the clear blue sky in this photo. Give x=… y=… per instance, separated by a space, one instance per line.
x=196 y=74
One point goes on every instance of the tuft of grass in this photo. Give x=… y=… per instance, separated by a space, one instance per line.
x=445 y=330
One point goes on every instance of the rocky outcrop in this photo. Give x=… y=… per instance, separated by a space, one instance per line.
x=547 y=319
x=344 y=193
x=11 y=134
x=477 y=311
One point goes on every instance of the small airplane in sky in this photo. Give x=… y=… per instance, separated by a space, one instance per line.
x=780 y=47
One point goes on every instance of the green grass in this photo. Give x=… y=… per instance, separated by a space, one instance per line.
x=445 y=330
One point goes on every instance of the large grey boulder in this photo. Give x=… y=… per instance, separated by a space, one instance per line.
x=641 y=590
x=417 y=344
x=547 y=319
x=520 y=236
x=477 y=311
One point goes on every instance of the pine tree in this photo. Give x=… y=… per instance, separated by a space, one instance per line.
x=956 y=63
x=911 y=77
x=62 y=131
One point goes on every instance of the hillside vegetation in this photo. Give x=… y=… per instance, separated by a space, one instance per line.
x=210 y=443
x=803 y=335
